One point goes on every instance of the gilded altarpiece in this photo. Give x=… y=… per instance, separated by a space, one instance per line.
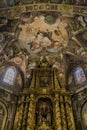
x=44 y=105
x=43 y=49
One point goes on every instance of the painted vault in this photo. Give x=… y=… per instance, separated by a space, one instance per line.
x=43 y=65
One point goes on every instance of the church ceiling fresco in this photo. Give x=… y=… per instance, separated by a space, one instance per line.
x=46 y=31
x=40 y=33
x=59 y=34
x=43 y=51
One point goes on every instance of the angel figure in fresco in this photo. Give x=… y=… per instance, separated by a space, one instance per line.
x=82 y=21
x=40 y=34
x=40 y=42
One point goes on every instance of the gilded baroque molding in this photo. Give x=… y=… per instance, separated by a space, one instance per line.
x=62 y=8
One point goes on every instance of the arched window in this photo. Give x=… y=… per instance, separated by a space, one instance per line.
x=3 y=116
x=84 y=116
x=79 y=75
x=9 y=76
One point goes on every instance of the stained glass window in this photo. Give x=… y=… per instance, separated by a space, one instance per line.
x=84 y=116
x=9 y=76
x=79 y=75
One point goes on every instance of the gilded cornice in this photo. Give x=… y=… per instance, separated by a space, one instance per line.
x=62 y=8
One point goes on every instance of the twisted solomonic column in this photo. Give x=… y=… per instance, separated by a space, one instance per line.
x=31 y=114
x=63 y=114
x=19 y=114
x=57 y=113
x=69 y=113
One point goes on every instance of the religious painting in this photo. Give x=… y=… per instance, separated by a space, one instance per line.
x=40 y=31
x=44 y=76
x=84 y=116
x=9 y=76
x=44 y=81
x=79 y=75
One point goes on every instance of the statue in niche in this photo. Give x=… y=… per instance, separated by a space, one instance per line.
x=44 y=114
x=59 y=66
x=29 y=69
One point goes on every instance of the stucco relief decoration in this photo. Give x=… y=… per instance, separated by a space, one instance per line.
x=43 y=31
